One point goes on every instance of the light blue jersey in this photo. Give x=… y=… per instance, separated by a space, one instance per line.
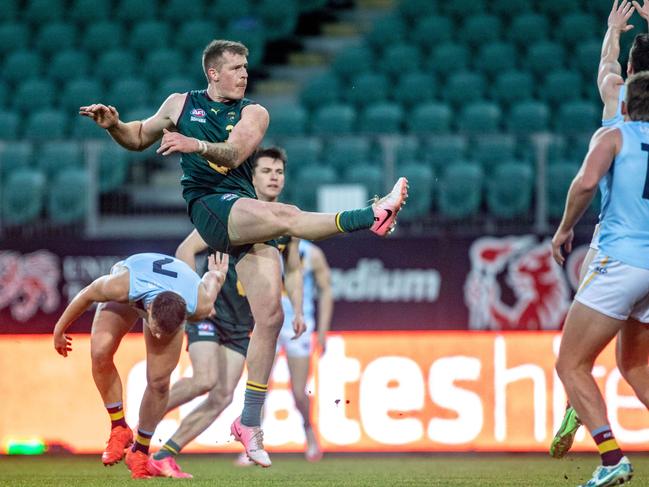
x=309 y=290
x=624 y=227
x=618 y=118
x=150 y=274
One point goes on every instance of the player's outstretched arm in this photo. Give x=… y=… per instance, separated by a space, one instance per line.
x=643 y=10
x=211 y=284
x=322 y=274
x=101 y=290
x=294 y=283
x=609 y=63
x=604 y=146
x=188 y=248
x=136 y=135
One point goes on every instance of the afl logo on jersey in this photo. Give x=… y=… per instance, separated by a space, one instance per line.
x=197 y=115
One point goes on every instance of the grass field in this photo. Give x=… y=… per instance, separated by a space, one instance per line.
x=288 y=471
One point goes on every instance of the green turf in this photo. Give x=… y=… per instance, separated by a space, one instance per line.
x=288 y=471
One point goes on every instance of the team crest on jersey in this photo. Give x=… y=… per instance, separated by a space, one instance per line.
x=231 y=116
x=514 y=283
x=197 y=115
x=205 y=326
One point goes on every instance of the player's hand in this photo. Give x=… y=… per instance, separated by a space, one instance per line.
x=62 y=344
x=619 y=16
x=218 y=261
x=299 y=326
x=644 y=10
x=175 y=142
x=562 y=239
x=105 y=116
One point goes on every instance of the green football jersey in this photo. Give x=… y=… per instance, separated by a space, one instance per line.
x=212 y=121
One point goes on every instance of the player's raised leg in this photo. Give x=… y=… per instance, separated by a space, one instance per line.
x=161 y=359
x=260 y=274
x=111 y=322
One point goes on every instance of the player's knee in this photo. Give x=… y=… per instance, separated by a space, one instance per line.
x=286 y=216
x=204 y=384
x=158 y=384
x=101 y=354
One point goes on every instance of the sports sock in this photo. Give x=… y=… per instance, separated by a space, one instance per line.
x=607 y=446
x=169 y=449
x=353 y=220
x=142 y=441
x=116 y=413
x=253 y=402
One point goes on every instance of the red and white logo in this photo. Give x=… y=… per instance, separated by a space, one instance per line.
x=198 y=112
x=29 y=283
x=514 y=284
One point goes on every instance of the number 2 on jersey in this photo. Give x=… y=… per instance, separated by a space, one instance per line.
x=157 y=267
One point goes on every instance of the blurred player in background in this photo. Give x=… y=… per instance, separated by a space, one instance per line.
x=164 y=292
x=218 y=344
x=216 y=131
x=617 y=285
x=612 y=92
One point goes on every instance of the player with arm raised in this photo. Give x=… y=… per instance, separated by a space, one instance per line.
x=164 y=292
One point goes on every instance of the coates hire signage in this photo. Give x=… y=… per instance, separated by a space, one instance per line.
x=489 y=283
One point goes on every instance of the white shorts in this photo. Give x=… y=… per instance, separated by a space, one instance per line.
x=594 y=242
x=301 y=346
x=616 y=289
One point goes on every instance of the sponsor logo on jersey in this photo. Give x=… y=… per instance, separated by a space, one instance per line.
x=197 y=115
x=228 y=197
x=514 y=283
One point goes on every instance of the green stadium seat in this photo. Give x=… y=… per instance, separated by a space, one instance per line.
x=495 y=58
x=413 y=10
x=347 y=151
x=194 y=35
x=21 y=65
x=544 y=57
x=529 y=26
x=429 y=32
x=386 y=31
x=13 y=36
x=400 y=58
x=448 y=58
x=492 y=149
x=459 y=8
x=560 y=86
x=279 y=17
x=67 y=200
x=68 y=64
x=149 y=35
x=311 y=5
x=102 y=36
x=556 y=149
x=559 y=9
x=9 y=10
x=4 y=89
x=577 y=27
x=53 y=157
x=128 y=93
x=22 y=196
x=368 y=175
x=444 y=150
x=587 y=58
x=83 y=128
x=113 y=167
x=32 y=92
x=229 y=9
x=558 y=179
x=122 y=59
x=353 y=61
x=288 y=121
x=577 y=146
x=171 y=61
x=176 y=84
x=420 y=193
x=578 y=116
x=321 y=90
x=14 y=156
x=305 y=190
x=415 y=88
x=252 y=34
x=479 y=29
x=86 y=11
x=333 y=119
x=464 y=87
x=179 y=9
x=382 y=118
x=509 y=190
x=55 y=37
x=46 y=125
x=506 y=9
x=429 y=118
x=460 y=191
x=43 y=11
x=367 y=89
x=512 y=86
x=302 y=151
x=80 y=92
x=9 y=122
x=480 y=118
x=137 y=10
x=527 y=117
x=406 y=149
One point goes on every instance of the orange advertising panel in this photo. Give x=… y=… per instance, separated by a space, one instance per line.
x=372 y=391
